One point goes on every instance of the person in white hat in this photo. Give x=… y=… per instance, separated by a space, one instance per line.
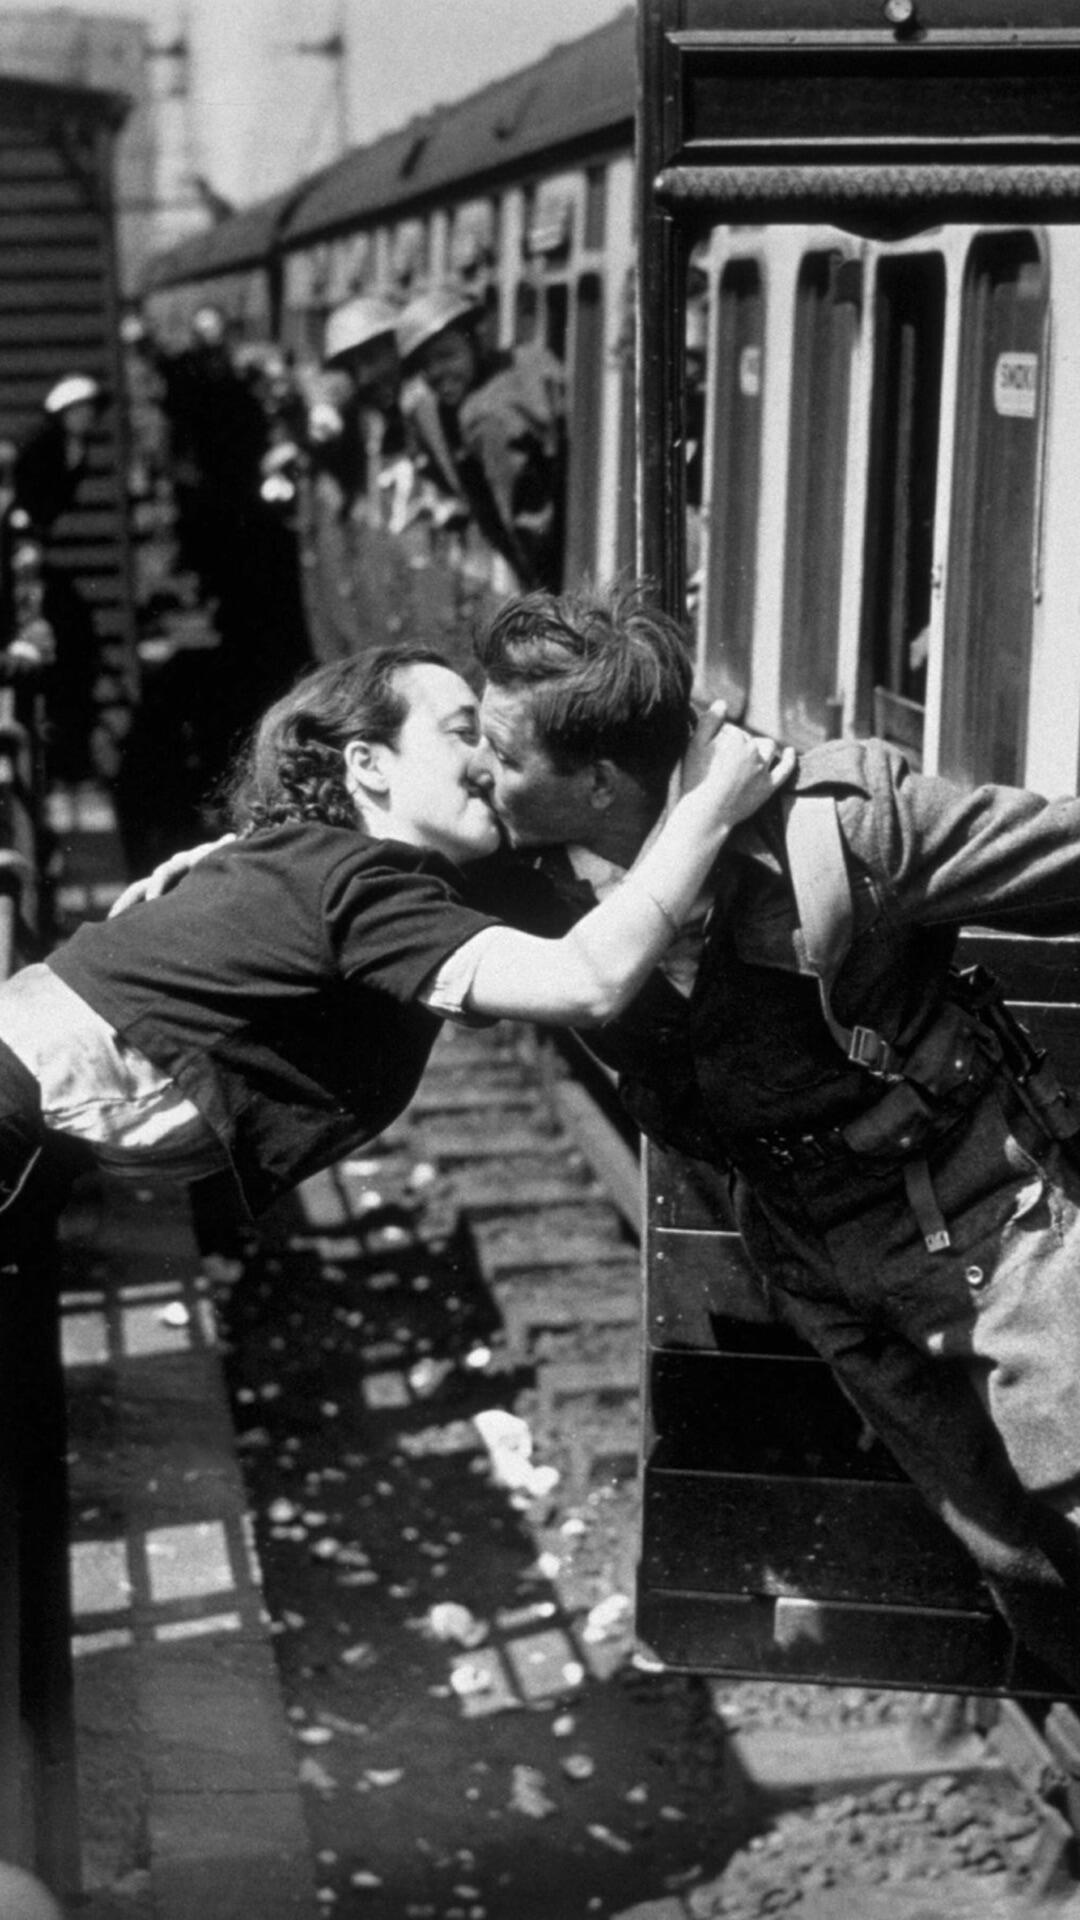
x=49 y=470
x=490 y=428
x=354 y=420
x=351 y=469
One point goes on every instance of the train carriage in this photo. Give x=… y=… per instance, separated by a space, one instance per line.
x=881 y=201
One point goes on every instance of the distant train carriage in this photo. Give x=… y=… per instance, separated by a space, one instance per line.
x=523 y=194
x=233 y=265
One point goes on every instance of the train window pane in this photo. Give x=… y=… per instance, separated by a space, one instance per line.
x=586 y=387
x=826 y=319
x=595 y=207
x=526 y=312
x=556 y=317
x=988 y=612
x=901 y=496
x=730 y=556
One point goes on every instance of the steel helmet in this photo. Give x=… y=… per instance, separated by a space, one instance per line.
x=356 y=323
x=72 y=391
x=430 y=314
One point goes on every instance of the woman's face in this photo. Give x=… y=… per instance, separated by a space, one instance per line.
x=431 y=799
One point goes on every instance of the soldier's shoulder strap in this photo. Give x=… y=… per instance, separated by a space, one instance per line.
x=822 y=887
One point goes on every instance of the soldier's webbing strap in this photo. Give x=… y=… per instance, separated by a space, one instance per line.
x=822 y=888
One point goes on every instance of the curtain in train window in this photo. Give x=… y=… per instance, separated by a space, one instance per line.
x=731 y=528
x=586 y=416
x=826 y=320
x=988 y=612
x=901 y=497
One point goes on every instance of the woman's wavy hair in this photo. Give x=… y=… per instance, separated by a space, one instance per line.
x=293 y=766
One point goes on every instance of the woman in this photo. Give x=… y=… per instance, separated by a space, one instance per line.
x=279 y=1006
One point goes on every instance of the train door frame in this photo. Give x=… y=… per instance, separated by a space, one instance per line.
x=750 y=116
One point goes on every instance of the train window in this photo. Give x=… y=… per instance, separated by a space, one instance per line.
x=550 y=230
x=731 y=552
x=472 y=241
x=826 y=318
x=526 y=312
x=595 y=224
x=989 y=603
x=587 y=388
x=901 y=495
x=556 y=317
x=408 y=253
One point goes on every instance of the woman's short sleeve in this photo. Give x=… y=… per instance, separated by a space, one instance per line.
x=393 y=916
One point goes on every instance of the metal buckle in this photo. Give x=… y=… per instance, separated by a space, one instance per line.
x=872 y=1051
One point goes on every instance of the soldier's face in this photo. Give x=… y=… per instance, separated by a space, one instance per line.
x=449 y=366
x=537 y=803
x=376 y=373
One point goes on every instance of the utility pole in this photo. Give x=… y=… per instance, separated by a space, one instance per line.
x=335 y=49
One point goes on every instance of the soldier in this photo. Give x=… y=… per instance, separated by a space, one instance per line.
x=355 y=421
x=491 y=429
x=356 y=479
x=913 y=1214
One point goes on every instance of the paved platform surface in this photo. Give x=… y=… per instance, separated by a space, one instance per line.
x=189 y=1799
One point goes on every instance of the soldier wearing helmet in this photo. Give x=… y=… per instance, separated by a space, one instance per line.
x=354 y=420
x=490 y=428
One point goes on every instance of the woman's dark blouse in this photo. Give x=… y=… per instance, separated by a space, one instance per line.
x=278 y=986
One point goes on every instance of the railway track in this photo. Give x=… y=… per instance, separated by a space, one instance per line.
x=435 y=1367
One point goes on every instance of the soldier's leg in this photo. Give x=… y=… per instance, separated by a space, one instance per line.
x=936 y=1424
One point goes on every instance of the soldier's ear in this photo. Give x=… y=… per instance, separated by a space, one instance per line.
x=604 y=780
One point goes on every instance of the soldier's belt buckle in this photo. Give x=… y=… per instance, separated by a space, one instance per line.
x=870 y=1050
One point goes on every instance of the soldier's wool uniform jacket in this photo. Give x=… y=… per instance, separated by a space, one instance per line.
x=926 y=858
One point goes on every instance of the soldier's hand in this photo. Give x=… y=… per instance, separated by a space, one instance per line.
x=724 y=752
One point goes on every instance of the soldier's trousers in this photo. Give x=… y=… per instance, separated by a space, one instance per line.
x=965 y=1361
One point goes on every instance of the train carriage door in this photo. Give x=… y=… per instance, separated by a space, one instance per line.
x=827 y=302
x=990 y=594
x=730 y=555
x=909 y=326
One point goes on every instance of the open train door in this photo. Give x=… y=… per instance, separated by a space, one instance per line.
x=779 y=1538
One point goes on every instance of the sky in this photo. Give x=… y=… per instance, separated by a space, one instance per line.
x=263 y=114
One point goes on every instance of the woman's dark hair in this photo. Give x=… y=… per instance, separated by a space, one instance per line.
x=293 y=766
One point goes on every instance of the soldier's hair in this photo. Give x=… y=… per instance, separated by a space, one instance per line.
x=293 y=767
x=610 y=676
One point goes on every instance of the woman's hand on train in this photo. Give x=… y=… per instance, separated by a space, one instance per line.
x=166 y=875
x=741 y=770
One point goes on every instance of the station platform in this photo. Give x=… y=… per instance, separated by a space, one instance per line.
x=189 y=1802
